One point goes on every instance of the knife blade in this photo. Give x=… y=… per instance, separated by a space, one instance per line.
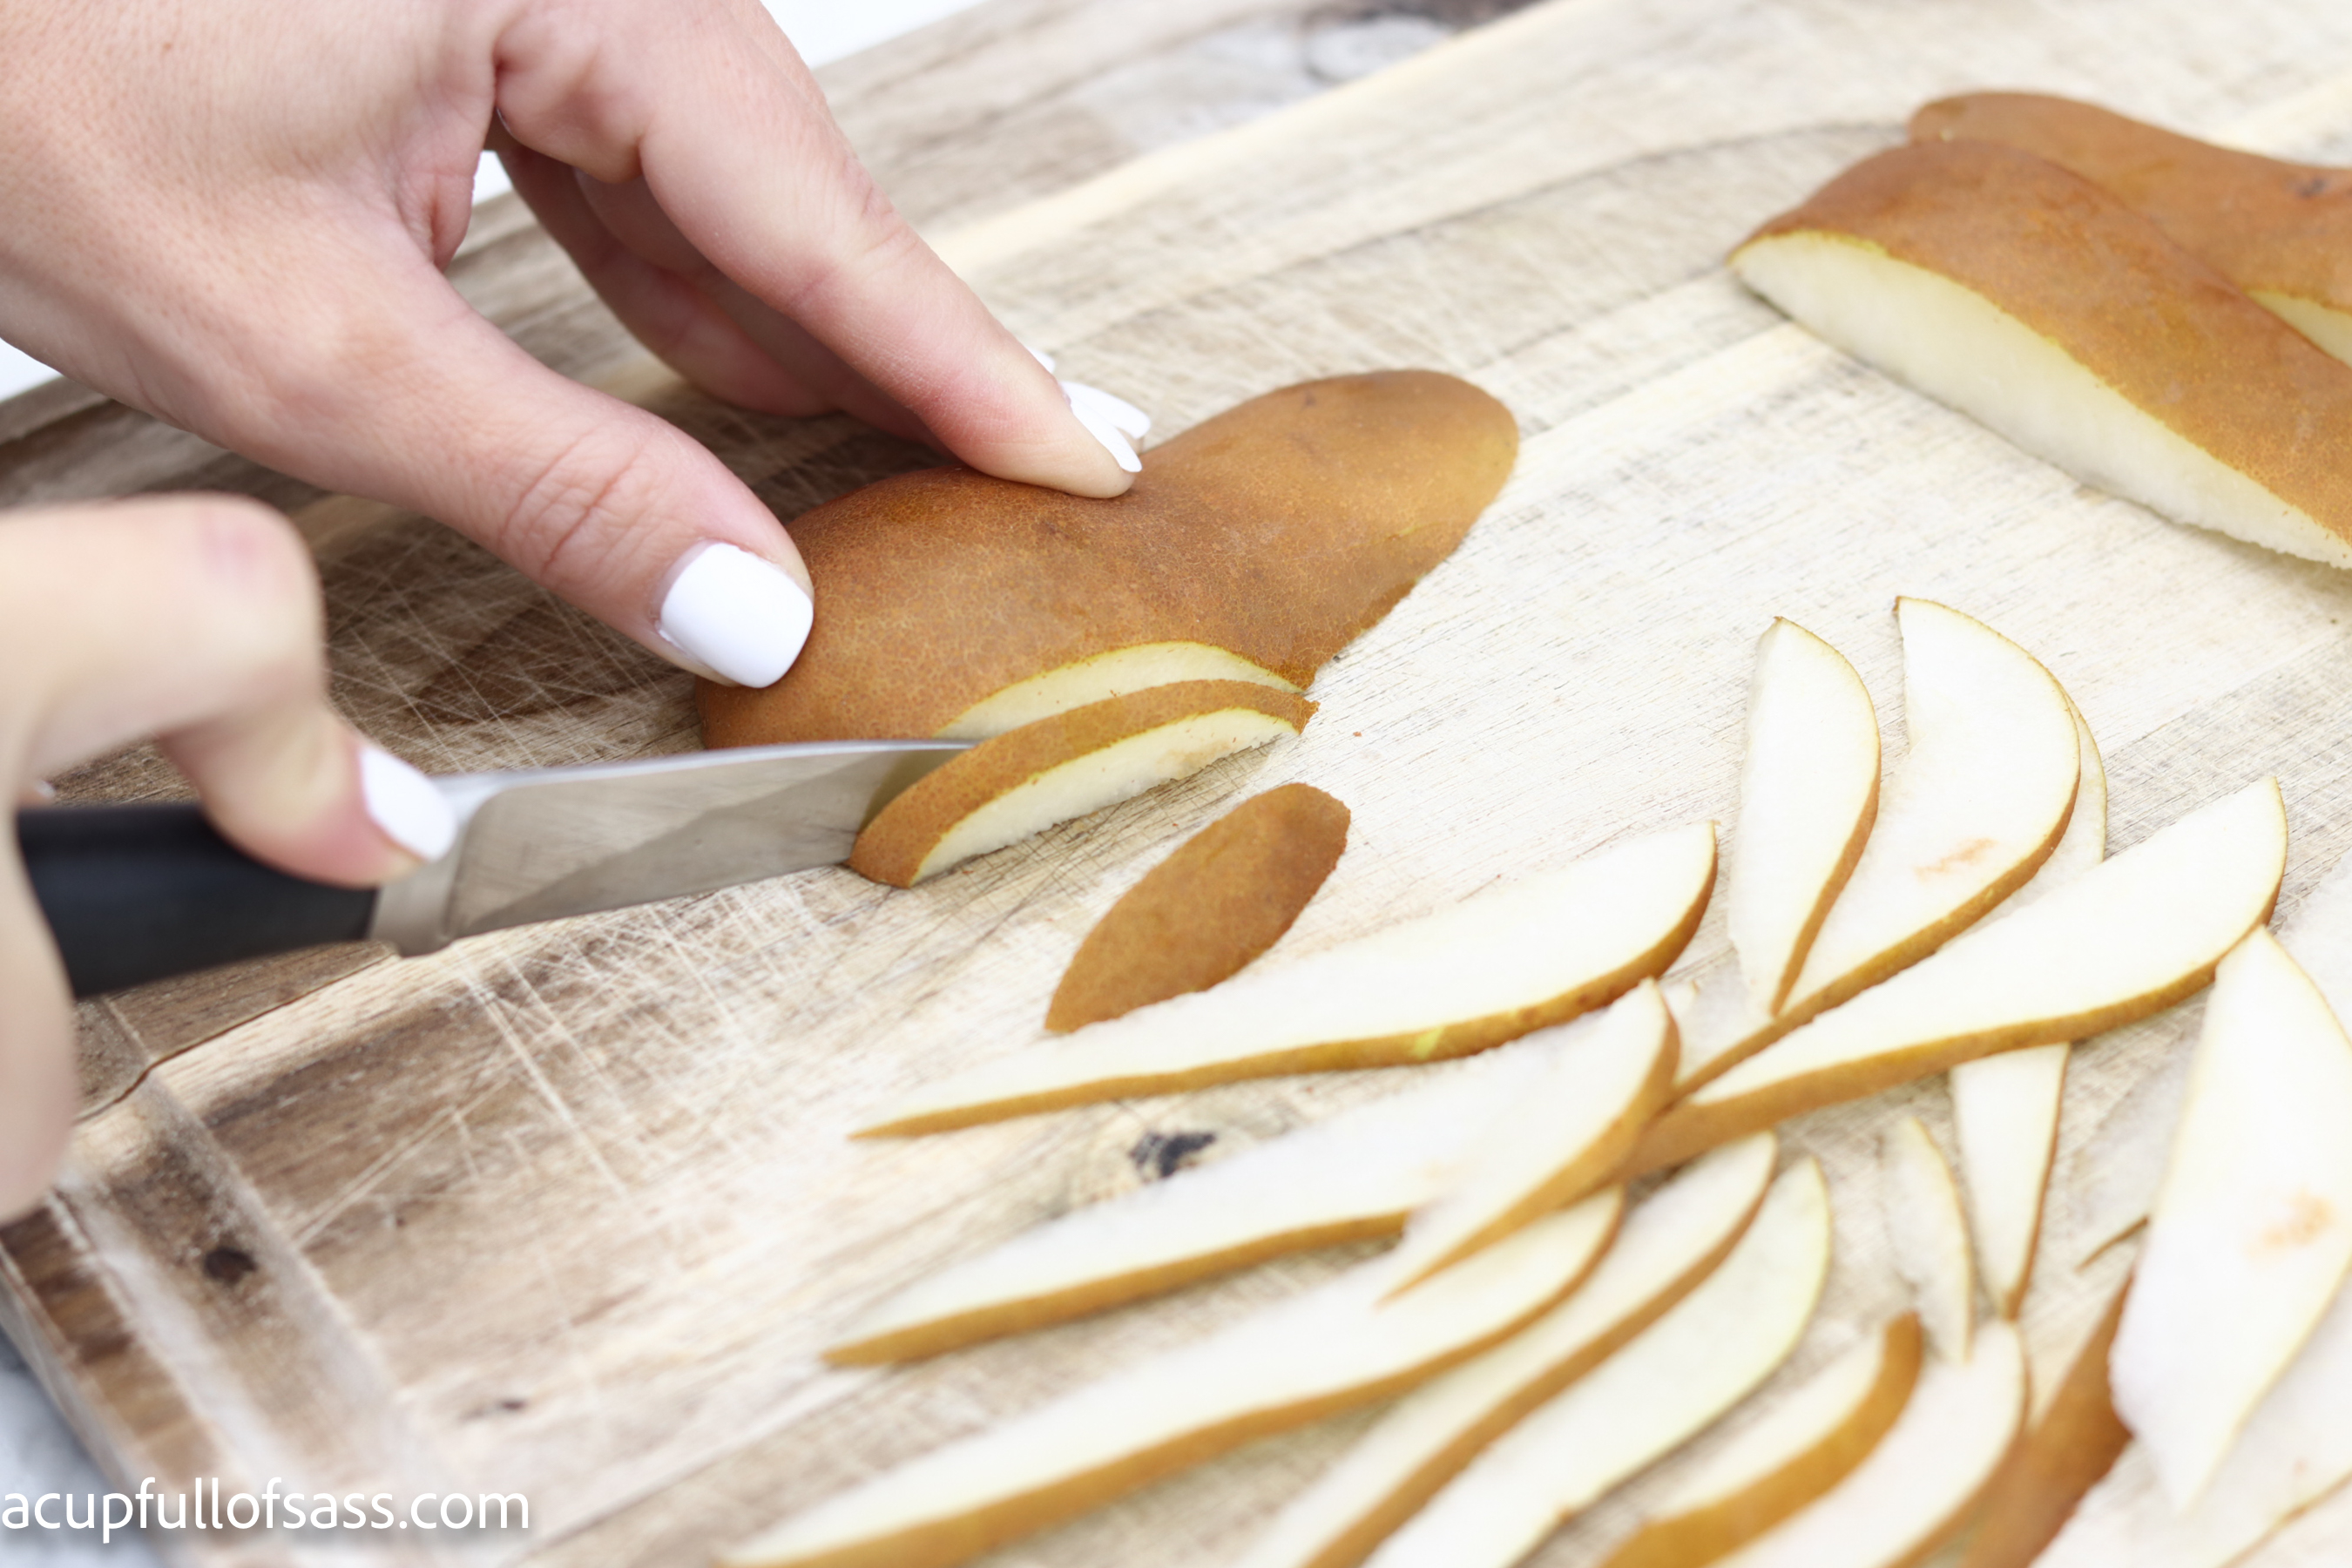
x=134 y=893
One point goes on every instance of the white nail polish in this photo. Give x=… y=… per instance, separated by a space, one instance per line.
x=1113 y=442
x=405 y=804
x=736 y=613
x=1116 y=411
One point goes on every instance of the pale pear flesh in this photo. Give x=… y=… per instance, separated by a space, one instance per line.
x=2252 y=1235
x=1563 y=1139
x=1808 y=794
x=1670 y=1242
x=1928 y=1236
x=1962 y=348
x=2070 y=1440
x=2130 y=936
x=1712 y=1350
x=1312 y=1356
x=1502 y=963
x=1917 y=1487
x=1105 y=675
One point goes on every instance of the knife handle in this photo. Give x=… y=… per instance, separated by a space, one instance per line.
x=141 y=892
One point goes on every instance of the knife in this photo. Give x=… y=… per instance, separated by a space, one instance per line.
x=141 y=892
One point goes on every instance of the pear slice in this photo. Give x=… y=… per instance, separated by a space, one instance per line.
x=1675 y=1239
x=2005 y=1107
x=1807 y=796
x=1503 y=961
x=2126 y=938
x=1975 y=807
x=1715 y=1346
x=1919 y=1486
x=2037 y=303
x=1808 y=1443
x=1330 y=1349
x=1560 y=1142
x=2071 y=1441
x=1928 y=1236
x=1353 y=1177
x=2252 y=1235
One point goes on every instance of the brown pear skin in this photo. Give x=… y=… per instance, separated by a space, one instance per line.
x=1278 y=531
x=1208 y=909
x=2066 y=1453
x=2166 y=331
x=897 y=847
x=2270 y=226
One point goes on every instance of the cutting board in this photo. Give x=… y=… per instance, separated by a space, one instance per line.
x=569 y=1211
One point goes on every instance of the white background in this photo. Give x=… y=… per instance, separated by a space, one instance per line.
x=822 y=29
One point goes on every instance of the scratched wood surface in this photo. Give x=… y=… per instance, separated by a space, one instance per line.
x=569 y=1211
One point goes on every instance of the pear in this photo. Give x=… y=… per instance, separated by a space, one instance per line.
x=1674 y=1238
x=2252 y=1235
x=1928 y=1236
x=1503 y=961
x=2130 y=936
x=1712 y=1350
x=1315 y=1355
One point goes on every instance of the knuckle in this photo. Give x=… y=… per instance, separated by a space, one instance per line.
x=569 y=519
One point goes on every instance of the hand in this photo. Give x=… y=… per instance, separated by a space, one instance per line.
x=195 y=620
x=233 y=214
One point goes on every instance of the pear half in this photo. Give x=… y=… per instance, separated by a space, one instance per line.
x=1673 y=1239
x=2042 y=305
x=2252 y=1235
x=1502 y=963
x=2132 y=935
x=1715 y=1347
x=1976 y=804
x=1330 y=1349
x=1927 y=1236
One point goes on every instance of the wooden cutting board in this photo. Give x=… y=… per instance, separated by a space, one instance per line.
x=569 y=1211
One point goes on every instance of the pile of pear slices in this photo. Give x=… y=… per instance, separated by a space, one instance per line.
x=1548 y=1334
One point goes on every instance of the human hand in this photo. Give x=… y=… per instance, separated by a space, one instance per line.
x=195 y=620
x=233 y=214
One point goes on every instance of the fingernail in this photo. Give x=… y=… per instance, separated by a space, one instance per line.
x=406 y=806
x=1116 y=412
x=1102 y=430
x=40 y=792
x=1041 y=356
x=743 y=618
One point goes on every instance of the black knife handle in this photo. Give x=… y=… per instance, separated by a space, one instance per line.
x=141 y=892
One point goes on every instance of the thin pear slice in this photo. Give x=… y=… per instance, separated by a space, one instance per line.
x=1353 y=1177
x=1502 y=963
x=1928 y=1236
x=1562 y=1142
x=1331 y=1350
x=2006 y=1107
x=2296 y=1449
x=2037 y=303
x=2070 y=1443
x=1975 y=805
x=1808 y=1443
x=1673 y=1239
x=1807 y=796
x=1918 y=1487
x=1717 y=1346
x=2252 y=1235
x=2130 y=936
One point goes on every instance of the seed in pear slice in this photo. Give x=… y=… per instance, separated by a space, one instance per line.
x=2042 y=305
x=1200 y=916
x=1920 y=1485
x=1353 y=1177
x=1672 y=1241
x=1806 y=1445
x=2280 y=231
x=1975 y=805
x=2252 y=1235
x=1712 y=1350
x=2005 y=1107
x=1562 y=1142
x=1808 y=794
x=1505 y=961
x=2130 y=936
x=2070 y=1443
x=1331 y=1350
x=1927 y=1236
